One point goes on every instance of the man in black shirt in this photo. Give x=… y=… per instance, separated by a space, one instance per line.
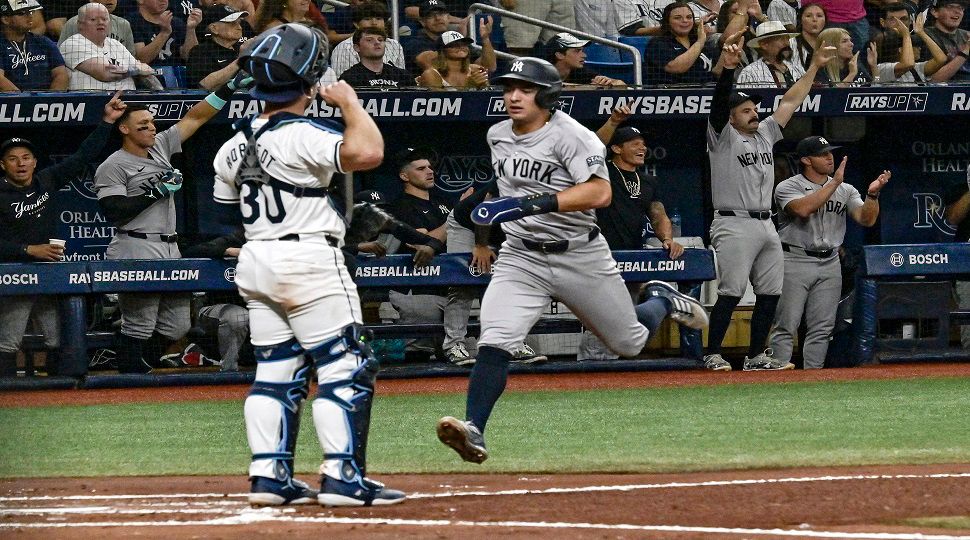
x=372 y=71
x=212 y=63
x=957 y=201
x=567 y=54
x=634 y=200
x=28 y=224
x=421 y=49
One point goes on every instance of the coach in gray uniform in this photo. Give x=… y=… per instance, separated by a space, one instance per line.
x=812 y=227
x=551 y=176
x=135 y=187
x=742 y=178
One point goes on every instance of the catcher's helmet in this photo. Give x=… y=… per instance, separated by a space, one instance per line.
x=540 y=73
x=285 y=61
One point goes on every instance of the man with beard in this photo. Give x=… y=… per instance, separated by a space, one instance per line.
x=774 y=66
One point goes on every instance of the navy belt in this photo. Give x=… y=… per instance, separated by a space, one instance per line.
x=762 y=214
x=559 y=246
x=296 y=238
x=170 y=238
x=824 y=254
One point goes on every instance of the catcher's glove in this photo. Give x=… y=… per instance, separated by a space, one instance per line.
x=366 y=222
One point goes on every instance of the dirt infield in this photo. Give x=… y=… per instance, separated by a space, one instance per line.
x=856 y=502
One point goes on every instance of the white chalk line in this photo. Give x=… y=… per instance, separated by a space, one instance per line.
x=508 y=492
x=264 y=517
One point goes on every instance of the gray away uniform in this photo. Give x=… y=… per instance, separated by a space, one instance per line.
x=560 y=155
x=129 y=175
x=743 y=175
x=813 y=275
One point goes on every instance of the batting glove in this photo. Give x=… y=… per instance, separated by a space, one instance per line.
x=241 y=81
x=168 y=183
x=502 y=209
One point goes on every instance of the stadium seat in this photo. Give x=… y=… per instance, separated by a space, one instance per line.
x=640 y=42
x=596 y=52
x=172 y=76
x=614 y=70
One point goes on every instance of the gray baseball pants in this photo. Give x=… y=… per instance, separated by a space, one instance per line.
x=812 y=288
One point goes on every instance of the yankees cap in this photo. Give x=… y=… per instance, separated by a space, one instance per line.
x=625 y=134
x=738 y=98
x=16 y=142
x=813 y=146
x=371 y=196
x=432 y=6
x=451 y=37
x=408 y=155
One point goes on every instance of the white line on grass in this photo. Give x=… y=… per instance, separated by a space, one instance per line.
x=508 y=492
x=264 y=517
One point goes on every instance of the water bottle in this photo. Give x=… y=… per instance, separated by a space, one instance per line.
x=675 y=223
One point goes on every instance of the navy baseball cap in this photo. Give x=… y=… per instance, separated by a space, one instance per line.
x=371 y=196
x=16 y=142
x=738 y=98
x=408 y=155
x=625 y=134
x=432 y=6
x=813 y=146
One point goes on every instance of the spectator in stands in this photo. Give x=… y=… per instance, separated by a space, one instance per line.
x=213 y=62
x=27 y=61
x=120 y=27
x=421 y=48
x=453 y=67
x=781 y=11
x=567 y=54
x=161 y=39
x=957 y=201
x=850 y=15
x=270 y=13
x=457 y=12
x=946 y=32
x=886 y=13
x=372 y=71
x=635 y=200
x=601 y=18
x=420 y=207
x=98 y=62
x=370 y=14
x=28 y=220
x=774 y=67
x=680 y=54
x=845 y=69
x=899 y=50
x=522 y=37
x=811 y=22
x=654 y=10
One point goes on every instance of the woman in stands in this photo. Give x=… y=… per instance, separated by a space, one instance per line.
x=667 y=61
x=845 y=69
x=811 y=21
x=453 y=68
x=272 y=13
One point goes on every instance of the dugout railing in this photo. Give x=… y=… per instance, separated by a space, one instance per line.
x=72 y=282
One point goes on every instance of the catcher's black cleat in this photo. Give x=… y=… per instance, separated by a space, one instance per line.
x=464 y=438
x=684 y=309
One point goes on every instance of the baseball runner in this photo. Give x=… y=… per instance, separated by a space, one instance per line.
x=811 y=226
x=551 y=177
x=740 y=146
x=135 y=188
x=304 y=310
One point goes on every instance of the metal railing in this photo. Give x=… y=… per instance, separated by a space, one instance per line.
x=395 y=19
x=473 y=33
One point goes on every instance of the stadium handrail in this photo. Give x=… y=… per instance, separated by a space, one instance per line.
x=637 y=59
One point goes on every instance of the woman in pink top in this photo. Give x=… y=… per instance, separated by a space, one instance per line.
x=848 y=14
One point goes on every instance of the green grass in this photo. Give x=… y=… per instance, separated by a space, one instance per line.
x=672 y=429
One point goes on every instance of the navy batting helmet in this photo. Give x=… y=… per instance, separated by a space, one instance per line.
x=285 y=61
x=540 y=73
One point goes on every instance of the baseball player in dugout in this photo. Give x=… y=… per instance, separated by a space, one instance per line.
x=552 y=177
x=739 y=146
x=811 y=225
x=28 y=225
x=135 y=188
x=304 y=310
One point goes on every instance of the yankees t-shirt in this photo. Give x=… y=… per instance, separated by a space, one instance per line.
x=555 y=157
x=28 y=64
x=128 y=175
x=144 y=32
x=622 y=222
x=662 y=50
x=421 y=213
x=743 y=166
x=825 y=228
x=205 y=58
x=360 y=76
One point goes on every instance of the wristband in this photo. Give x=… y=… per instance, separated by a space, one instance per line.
x=437 y=245
x=872 y=195
x=964 y=55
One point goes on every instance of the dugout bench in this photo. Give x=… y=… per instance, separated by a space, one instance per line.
x=72 y=281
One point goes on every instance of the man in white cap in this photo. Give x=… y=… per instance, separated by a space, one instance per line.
x=212 y=63
x=774 y=66
x=567 y=55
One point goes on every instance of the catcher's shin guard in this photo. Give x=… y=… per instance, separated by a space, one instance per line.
x=273 y=408
x=346 y=371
